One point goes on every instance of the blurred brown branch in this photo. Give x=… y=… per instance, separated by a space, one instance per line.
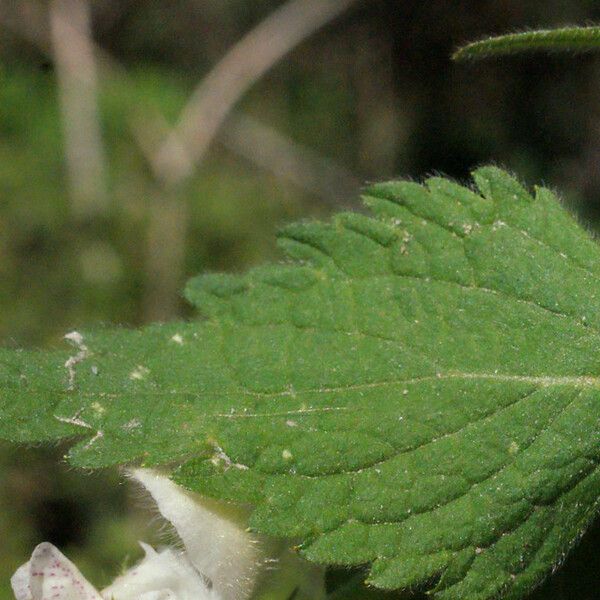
x=77 y=92
x=247 y=61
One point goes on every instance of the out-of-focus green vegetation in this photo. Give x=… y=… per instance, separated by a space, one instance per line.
x=375 y=91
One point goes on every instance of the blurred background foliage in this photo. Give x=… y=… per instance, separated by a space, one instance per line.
x=370 y=95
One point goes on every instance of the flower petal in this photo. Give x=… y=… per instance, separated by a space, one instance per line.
x=20 y=583
x=165 y=575
x=49 y=575
x=219 y=548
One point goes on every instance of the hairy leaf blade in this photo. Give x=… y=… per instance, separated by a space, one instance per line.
x=420 y=392
x=569 y=39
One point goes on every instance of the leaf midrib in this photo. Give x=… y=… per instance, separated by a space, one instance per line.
x=540 y=380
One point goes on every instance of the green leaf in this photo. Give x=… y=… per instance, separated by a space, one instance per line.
x=569 y=39
x=417 y=390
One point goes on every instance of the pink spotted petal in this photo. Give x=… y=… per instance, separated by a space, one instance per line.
x=51 y=576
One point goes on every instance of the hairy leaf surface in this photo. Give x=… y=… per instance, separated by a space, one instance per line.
x=417 y=390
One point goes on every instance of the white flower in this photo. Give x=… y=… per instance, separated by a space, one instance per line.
x=165 y=575
x=221 y=559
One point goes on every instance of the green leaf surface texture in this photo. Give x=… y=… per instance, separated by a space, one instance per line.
x=417 y=389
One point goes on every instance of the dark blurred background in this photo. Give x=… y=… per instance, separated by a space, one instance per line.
x=144 y=141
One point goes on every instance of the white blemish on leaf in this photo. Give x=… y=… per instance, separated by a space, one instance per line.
x=98 y=408
x=513 y=447
x=286 y=454
x=74 y=420
x=99 y=435
x=75 y=337
x=220 y=457
x=83 y=352
x=133 y=424
x=291 y=423
x=139 y=373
